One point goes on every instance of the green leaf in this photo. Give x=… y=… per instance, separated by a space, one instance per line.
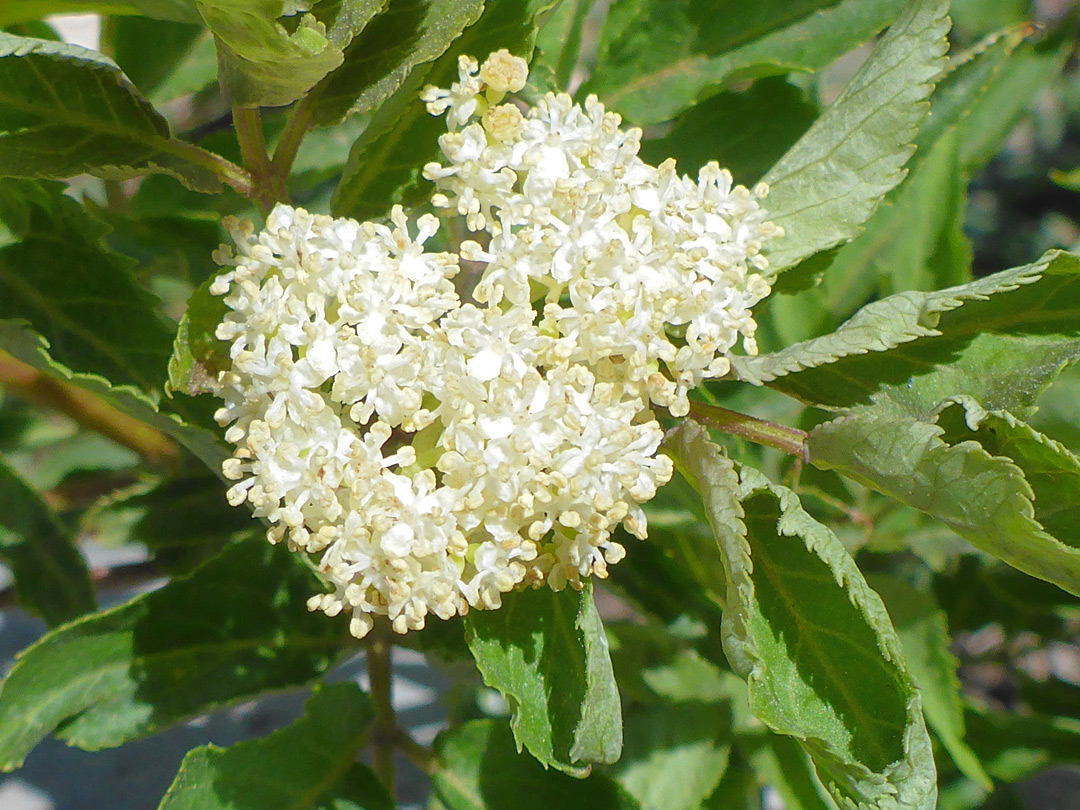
x=772 y=114
x=87 y=320
x=481 y=770
x=260 y=63
x=50 y=575
x=924 y=635
x=385 y=162
x=80 y=296
x=1013 y=746
x=67 y=110
x=1001 y=339
x=675 y=754
x=782 y=763
x=147 y=67
x=309 y=764
x=198 y=355
x=650 y=73
x=821 y=659
x=913 y=240
x=236 y=627
x=983 y=497
x=547 y=653
x=378 y=61
x=558 y=43
x=14 y=11
x=830 y=181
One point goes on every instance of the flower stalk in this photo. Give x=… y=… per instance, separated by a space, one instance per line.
x=760 y=431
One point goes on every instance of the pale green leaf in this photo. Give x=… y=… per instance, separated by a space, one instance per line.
x=547 y=653
x=378 y=61
x=481 y=770
x=1001 y=339
x=924 y=634
x=309 y=764
x=783 y=763
x=51 y=577
x=821 y=659
x=260 y=63
x=236 y=627
x=13 y=11
x=831 y=180
x=675 y=754
x=385 y=162
x=66 y=110
x=558 y=43
x=983 y=497
x=651 y=73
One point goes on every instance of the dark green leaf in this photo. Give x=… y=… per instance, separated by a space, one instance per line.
x=309 y=764
x=66 y=110
x=686 y=51
x=814 y=642
x=924 y=634
x=378 y=61
x=772 y=114
x=547 y=653
x=236 y=627
x=481 y=770
x=148 y=67
x=198 y=355
x=80 y=296
x=831 y=180
x=260 y=63
x=50 y=574
x=385 y=163
x=1013 y=746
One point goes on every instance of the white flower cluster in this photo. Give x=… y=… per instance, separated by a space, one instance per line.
x=438 y=453
x=640 y=274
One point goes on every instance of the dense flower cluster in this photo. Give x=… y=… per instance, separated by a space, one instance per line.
x=438 y=452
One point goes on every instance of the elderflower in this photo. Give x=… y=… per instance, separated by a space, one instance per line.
x=434 y=455
x=642 y=275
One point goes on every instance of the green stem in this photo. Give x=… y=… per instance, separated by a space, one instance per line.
x=295 y=129
x=787 y=439
x=249 y=133
x=227 y=171
x=384 y=728
x=419 y=755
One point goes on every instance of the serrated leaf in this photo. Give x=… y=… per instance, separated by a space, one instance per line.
x=87 y=320
x=924 y=634
x=385 y=162
x=1001 y=339
x=66 y=110
x=831 y=180
x=984 y=498
x=650 y=73
x=822 y=661
x=908 y=241
x=309 y=764
x=675 y=754
x=236 y=627
x=481 y=770
x=51 y=577
x=378 y=61
x=547 y=653
x=260 y=64
x=198 y=355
